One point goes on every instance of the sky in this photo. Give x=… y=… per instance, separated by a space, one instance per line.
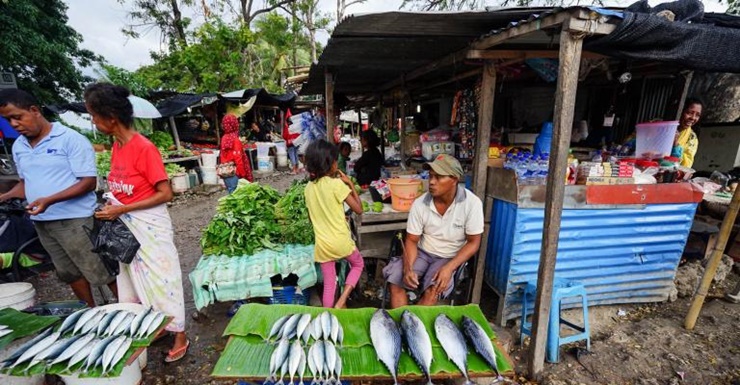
x=100 y=23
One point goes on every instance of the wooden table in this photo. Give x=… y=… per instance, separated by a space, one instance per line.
x=376 y=223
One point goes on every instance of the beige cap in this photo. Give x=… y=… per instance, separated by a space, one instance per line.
x=445 y=164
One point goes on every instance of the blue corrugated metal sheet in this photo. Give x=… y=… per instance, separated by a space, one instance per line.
x=621 y=255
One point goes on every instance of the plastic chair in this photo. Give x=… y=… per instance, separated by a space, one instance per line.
x=561 y=289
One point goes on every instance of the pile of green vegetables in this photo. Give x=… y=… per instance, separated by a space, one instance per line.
x=102 y=159
x=292 y=215
x=162 y=140
x=173 y=169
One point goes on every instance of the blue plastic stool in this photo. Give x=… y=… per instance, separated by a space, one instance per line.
x=561 y=289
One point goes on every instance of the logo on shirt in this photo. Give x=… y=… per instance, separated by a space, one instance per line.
x=120 y=187
x=51 y=150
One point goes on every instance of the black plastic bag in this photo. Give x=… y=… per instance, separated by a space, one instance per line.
x=114 y=242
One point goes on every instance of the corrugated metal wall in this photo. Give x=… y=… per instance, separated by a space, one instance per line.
x=656 y=94
x=622 y=256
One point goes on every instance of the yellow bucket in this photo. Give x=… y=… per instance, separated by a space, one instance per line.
x=403 y=193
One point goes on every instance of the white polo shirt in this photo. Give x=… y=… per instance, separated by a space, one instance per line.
x=444 y=235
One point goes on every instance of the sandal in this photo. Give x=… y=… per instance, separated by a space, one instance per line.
x=177 y=355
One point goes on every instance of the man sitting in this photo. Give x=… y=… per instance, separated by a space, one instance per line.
x=443 y=231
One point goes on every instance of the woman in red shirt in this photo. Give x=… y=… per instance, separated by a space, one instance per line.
x=139 y=190
x=232 y=151
x=291 y=148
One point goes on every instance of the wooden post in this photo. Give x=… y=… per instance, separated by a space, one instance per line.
x=480 y=162
x=175 y=134
x=684 y=94
x=717 y=252
x=329 y=97
x=401 y=132
x=218 y=130
x=565 y=98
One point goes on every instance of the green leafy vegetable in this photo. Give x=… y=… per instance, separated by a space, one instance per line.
x=102 y=159
x=173 y=169
x=292 y=215
x=162 y=140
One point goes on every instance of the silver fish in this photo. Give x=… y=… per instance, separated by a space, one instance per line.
x=319 y=359
x=5 y=332
x=97 y=352
x=71 y=320
x=125 y=324
x=480 y=341
x=46 y=353
x=294 y=359
x=340 y=335
x=137 y=321
x=289 y=329
x=334 y=327
x=84 y=319
x=316 y=328
x=453 y=343
x=115 y=322
x=118 y=355
x=23 y=348
x=279 y=355
x=338 y=370
x=302 y=324
x=93 y=323
x=103 y=325
x=418 y=342
x=386 y=340
x=79 y=356
x=277 y=326
x=73 y=349
x=110 y=352
x=145 y=323
x=331 y=356
x=302 y=367
x=156 y=323
x=36 y=349
x=326 y=325
x=283 y=372
x=307 y=334
x=312 y=364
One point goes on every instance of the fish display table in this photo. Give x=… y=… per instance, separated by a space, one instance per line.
x=247 y=355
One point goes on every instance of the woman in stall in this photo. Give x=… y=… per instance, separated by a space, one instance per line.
x=687 y=143
x=139 y=192
x=367 y=168
x=232 y=151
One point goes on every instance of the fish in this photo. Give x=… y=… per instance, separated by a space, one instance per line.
x=156 y=323
x=302 y=324
x=78 y=357
x=418 y=342
x=103 y=325
x=111 y=350
x=118 y=355
x=316 y=328
x=294 y=359
x=37 y=348
x=84 y=320
x=340 y=336
x=73 y=348
x=480 y=342
x=334 y=331
x=301 y=367
x=453 y=343
x=115 y=322
x=283 y=372
x=5 y=332
x=71 y=320
x=289 y=327
x=57 y=348
x=22 y=349
x=307 y=334
x=312 y=364
x=97 y=352
x=386 y=340
x=136 y=322
x=279 y=355
x=326 y=325
x=319 y=359
x=338 y=370
x=125 y=324
x=277 y=326
x=331 y=357
x=145 y=323
x=93 y=323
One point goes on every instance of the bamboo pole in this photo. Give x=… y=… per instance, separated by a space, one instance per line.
x=329 y=97
x=711 y=270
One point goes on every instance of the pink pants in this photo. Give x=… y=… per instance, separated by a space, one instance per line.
x=329 y=271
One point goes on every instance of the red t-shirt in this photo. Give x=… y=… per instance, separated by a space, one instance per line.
x=135 y=168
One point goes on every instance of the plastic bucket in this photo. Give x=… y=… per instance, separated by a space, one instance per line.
x=282 y=159
x=17 y=295
x=180 y=183
x=655 y=140
x=209 y=175
x=263 y=149
x=403 y=193
x=265 y=163
x=131 y=375
x=281 y=148
x=209 y=160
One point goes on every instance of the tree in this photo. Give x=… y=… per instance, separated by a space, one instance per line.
x=164 y=15
x=312 y=19
x=123 y=77
x=342 y=6
x=449 y=5
x=245 y=11
x=41 y=50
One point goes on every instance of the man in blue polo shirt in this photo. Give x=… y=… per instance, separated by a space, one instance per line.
x=58 y=176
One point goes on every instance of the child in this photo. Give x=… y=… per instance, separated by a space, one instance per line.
x=344 y=150
x=326 y=194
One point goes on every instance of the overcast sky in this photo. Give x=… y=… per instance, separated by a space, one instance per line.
x=100 y=23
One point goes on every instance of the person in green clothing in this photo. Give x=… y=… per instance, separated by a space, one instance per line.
x=344 y=150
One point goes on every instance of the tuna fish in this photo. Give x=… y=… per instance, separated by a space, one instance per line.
x=115 y=322
x=111 y=351
x=125 y=325
x=279 y=355
x=325 y=325
x=302 y=325
x=289 y=327
x=92 y=324
x=418 y=342
x=156 y=323
x=97 y=352
x=318 y=357
x=84 y=319
x=71 y=320
x=136 y=322
x=78 y=357
x=331 y=357
x=312 y=364
x=23 y=348
x=316 y=328
x=453 y=343
x=36 y=349
x=145 y=323
x=294 y=359
x=386 y=340
x=118 y=355
x=277 y=327
x=283 y=372
x=73 y=349
x=103 y=325
x=302 y=367
x=480 y=341
x=334 y=328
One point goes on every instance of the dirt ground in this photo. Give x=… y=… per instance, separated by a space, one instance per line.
x=646 y=346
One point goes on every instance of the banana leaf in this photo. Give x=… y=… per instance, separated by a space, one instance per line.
x=23 y=324
x=247 y=354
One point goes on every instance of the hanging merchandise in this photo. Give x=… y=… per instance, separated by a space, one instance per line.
x=466 y=113
x=311 y=125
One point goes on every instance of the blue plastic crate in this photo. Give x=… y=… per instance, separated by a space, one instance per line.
x=287 y=295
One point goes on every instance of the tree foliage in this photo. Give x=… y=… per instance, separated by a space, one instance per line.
x=41 y=50
x=164 y=15
x=123 y=77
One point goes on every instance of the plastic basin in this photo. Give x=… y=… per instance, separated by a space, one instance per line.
x=403 y=193
x=655 y=140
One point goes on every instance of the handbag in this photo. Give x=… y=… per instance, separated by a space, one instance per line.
x=113 y=242
x=226 y=170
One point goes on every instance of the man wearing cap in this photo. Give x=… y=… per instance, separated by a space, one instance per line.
x=443 y=232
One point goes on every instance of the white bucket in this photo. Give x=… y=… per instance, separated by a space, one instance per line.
x=281 y=148
x=282 y=160
x=14 y=380
x=180 y=182
x=131 y=375
x=263 y=149
x=265 y=163
x=209 y=160
x=18 y=295
x=209 y=175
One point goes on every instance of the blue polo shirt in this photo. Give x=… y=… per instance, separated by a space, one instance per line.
x=57 y=162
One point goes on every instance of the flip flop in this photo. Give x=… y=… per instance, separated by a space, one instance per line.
x=177 y=355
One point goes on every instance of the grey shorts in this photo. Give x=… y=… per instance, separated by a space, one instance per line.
x=425 y=267
x=67 y=243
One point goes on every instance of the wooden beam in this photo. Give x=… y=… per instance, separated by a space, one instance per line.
x=476 y=54
x=684 y=94
x=464 y=75
x=421 y=71
x=522 y=29
x=480 y=162
x=175 y=134
x=565 y=98
x=329 y=97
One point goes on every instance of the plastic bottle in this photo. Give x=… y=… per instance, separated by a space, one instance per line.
x=521 y=169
